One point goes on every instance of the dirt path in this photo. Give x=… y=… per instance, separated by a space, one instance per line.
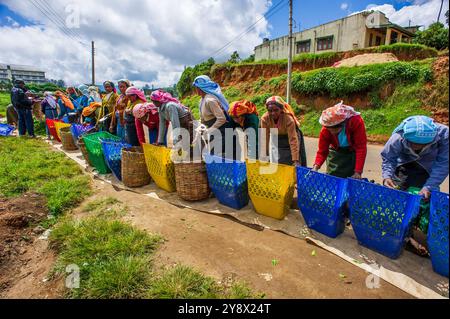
x=227 y=250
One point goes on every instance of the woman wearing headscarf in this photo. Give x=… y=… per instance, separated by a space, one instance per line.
x=245 y=116
x=415 y=159
x=117 y=120
x=146 y=114
x=72 y=93
x=94 y=96
x=108 y=103
x=65 y=104
x=135 y=97
x=342 y=142
x=171 y=110
x=213 y=110
x=49 y=108
x=291 y=146
x=83 y=99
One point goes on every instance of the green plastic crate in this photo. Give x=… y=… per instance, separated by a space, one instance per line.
x=93 y=144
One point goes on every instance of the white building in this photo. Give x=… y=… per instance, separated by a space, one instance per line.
x=27 y=73
x=358 y=31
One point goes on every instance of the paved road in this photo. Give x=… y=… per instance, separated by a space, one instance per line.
x=372 y=168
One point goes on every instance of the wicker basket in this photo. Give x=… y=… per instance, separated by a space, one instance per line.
x=192 y=181
x=134 y=168
x=67 y=139
x=83 y=150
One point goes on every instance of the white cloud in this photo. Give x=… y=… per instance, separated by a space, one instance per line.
x=344 y=6
x=12 y=22
x=421 y=12
x=147 y=41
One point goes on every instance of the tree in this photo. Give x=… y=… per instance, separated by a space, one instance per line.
x=250 y=59
x=435 y=36
x=60 y=83
x=235 y=58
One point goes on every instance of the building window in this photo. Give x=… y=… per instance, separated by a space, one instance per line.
x=303 y=46
x=325 y=43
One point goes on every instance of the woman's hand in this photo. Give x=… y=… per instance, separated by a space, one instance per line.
x=315 y=168
x=296 y=163
x=388 y=182
x=357 y=176
x=425 y=193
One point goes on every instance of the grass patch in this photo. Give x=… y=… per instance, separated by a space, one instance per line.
x=5 y=100
x=31 y=165
x=115 y=261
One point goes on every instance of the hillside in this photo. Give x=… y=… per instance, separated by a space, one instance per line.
x=384 y=93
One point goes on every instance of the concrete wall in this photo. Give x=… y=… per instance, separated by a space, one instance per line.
x=348 y=33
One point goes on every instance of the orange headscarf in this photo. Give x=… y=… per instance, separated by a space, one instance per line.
x=286 y=107
x=67 y=102
x=239 y=108
x=87 y=111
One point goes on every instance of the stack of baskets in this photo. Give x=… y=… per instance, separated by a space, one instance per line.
x=160 y=166
x=271 y=188
x=67 y=139
x=113 y=155
x=322 y=199
x=134 y=169
x=192 y=181
x=95 y=151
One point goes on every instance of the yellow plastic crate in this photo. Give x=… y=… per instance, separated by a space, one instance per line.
x=60 y=125
x=271 y=193
x=160 y=166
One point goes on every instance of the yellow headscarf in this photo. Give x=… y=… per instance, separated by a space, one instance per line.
x=239 y=108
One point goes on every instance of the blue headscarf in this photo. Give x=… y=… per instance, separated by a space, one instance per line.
x=84 y=89
x=204 y=83
x=418 y=129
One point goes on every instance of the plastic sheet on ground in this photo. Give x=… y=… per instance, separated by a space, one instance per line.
x=411 y=273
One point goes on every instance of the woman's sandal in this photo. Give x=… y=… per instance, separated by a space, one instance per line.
x=418 y=249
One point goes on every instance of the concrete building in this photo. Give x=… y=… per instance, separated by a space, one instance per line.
x=27 y=73
x=358 y=31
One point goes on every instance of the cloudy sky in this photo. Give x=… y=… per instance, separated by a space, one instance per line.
x=151 y=41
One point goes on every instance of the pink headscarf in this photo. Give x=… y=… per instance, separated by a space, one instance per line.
x=163 y=97
x=140 y=110
x=337 y=114
x=132 y=90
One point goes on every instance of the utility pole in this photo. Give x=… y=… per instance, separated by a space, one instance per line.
x=440 y=10
x=93 y=63
x=289 y=79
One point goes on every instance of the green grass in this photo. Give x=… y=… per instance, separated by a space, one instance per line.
x=116 y=262
x=403 y=103
x=5 y=100
x=31 y=165
x=192 y=102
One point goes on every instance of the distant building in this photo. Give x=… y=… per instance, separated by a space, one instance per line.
x=358 y=31
x=27 y=73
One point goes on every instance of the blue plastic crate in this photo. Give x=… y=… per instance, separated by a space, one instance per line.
x=112 y=151
x=79 y=130
x=228 y=181
x=321 y=200
x=6 y=130
x=381 y=217
x=438 y=232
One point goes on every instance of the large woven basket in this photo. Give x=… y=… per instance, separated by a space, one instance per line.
x=83 y=150
x=134 y=168
x=192 y=181
x=67 y=139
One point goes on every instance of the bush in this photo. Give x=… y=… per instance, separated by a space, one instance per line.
x=184 y=86
x=435 y=36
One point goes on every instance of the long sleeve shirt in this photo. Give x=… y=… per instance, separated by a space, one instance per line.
x=152 y=124
x=286 y=126
x=211 y=109
x=170 y=112
x=433 y=158
x=356 y=136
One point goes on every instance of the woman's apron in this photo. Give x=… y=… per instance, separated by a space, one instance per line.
x=284 y=150
x=222 y=130
x=130 y=129
x=341 y=162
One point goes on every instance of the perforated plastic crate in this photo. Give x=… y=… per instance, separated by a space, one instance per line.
x=6 y=130
x=51 y=128
x=271 y=188
x=438 y=232
x=79 y=130
x=112 y=151
x=322 y=199
x=160 y=166
x=228 y=181
x=95 y=151
x=381 y=217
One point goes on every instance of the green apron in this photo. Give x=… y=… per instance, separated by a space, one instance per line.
x=341 y=162
x=423 y=219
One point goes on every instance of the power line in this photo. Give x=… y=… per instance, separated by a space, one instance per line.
x=61 y=29
x=55 y=14
x=267 y=15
